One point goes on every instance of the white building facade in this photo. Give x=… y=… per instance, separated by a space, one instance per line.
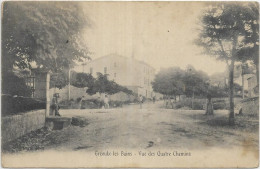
x=129 y=72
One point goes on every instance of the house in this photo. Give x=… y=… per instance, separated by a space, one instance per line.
x=129 y=72
x=252 y=86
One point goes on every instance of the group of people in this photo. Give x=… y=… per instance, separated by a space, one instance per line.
x=141 y=100
x=55 y=106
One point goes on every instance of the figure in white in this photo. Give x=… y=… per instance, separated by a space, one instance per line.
x=106 y=101
x=141 y=100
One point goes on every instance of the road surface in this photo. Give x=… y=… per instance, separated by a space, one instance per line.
x=153 y=127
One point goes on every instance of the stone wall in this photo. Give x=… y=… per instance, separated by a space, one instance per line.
x=250 y=106
x=75 y=92
x=17 y=125
x=79 y=92
x=121 y=96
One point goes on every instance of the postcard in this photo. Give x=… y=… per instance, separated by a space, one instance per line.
x=130 y=84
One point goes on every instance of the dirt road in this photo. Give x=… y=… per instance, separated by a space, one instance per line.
x=154 y=127
x=134 y=132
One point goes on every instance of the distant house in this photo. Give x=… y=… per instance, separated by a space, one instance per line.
x=134 y=74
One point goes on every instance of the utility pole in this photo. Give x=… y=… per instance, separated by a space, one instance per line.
x=69 y=83
x=243 y=82
x=243 y=92
x=192 y=100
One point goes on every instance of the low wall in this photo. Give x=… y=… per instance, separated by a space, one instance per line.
x=76 y=92
x=121 y=96
x=17 y=125
x=250 y=105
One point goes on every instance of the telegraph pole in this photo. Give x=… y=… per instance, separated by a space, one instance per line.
x=69 y=83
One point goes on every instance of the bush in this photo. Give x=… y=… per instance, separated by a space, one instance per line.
x=198 y=104
x=14 y=85
x=116 y=103
x=14 y=105
x=91 y=104
x=179 y=105
x=68 y=104
x=79 y=99
x=219 y=106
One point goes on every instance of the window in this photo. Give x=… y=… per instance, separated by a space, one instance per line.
x=105 y=70
x=114 y=75
x=114 y=64
x=91 y=70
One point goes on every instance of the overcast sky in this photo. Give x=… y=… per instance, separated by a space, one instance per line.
x=159 y=33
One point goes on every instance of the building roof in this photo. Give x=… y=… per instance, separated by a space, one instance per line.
x=117 y=55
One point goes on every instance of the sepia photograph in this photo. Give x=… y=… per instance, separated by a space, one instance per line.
x=130 y=84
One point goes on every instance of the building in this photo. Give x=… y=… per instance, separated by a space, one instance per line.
x=252 y=86
x=129 y=72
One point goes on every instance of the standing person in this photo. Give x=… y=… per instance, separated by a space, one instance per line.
x=153 y=99
x=55 y=106
x=141 y=101
x=106 y=101
x=167 y=102
x=209 y=108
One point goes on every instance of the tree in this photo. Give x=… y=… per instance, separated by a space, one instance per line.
x=223 y=35
x=175 y=81
x=82 y=80
x=169 y=82
x=45 y=32
x=59 y=80
x=103 y=85
x=251 y=38
x=42 y=34
x=217 y=91
x=195 y=82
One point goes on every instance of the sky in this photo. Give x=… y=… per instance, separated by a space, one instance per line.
x=158 y=33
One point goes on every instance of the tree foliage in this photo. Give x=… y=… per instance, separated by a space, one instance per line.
x=44 y=32
x=196 y=82
x=14 y=85
x=101 y=84
x=44 y=35
x=229 y=33
x=169 y=81
x=175 y=81
x=59 y=80
x=82 y=80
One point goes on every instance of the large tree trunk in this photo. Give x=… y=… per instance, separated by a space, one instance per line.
x=192 y=100
x=257 y=72
x=209 y=108
x=231 y=94
x=243 y=86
